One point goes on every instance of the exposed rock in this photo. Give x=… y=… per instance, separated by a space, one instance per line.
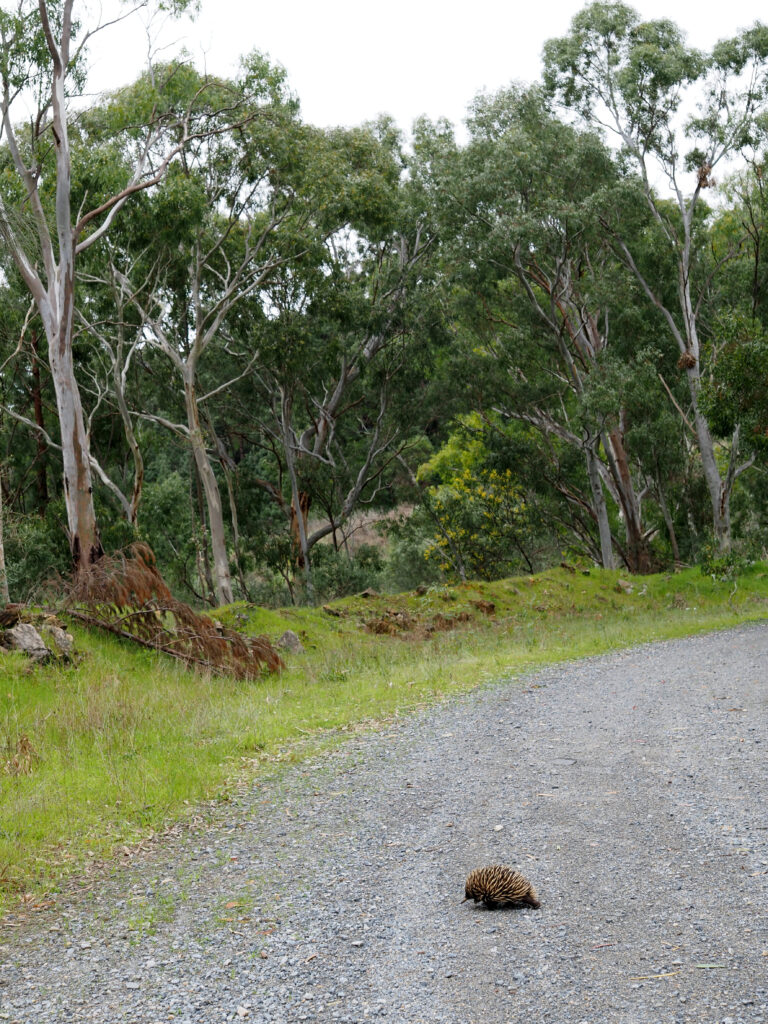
x=368 y=592
x=289 y=641
x=24 y=637
x=623 y=586
x=60 y=643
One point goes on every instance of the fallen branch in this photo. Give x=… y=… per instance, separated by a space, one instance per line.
x=110 y=627
x=125 y=595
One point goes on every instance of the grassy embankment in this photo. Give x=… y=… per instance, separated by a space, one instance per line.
x=99 y=754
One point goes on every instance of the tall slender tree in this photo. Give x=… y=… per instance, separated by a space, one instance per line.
x=630 y=77
x=43 y=58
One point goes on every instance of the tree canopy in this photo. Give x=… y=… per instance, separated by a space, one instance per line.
x=250 y=342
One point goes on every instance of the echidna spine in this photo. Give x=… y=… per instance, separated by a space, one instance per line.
x=497 y=885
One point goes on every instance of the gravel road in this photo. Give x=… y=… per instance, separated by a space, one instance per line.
x=632 y=789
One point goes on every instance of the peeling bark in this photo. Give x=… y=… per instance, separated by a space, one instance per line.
x=4 y=594
x=37 y=405
x=638 y=553
x=305 y=503
x=47 y=265
x=84 y=540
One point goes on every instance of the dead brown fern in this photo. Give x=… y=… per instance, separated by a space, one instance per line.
x=125 y=594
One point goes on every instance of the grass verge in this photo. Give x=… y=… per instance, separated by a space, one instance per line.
x=96 y=756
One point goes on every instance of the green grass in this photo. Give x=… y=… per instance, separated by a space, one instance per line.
x=126 y=742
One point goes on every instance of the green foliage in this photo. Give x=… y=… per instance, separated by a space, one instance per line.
x=269 y=591
x=634 y=76
x=389 y=297
x=479 y=512
x=736 y=391
x=480 y=521
x=335 y=573
x=25 y=60
x=36 y=550
x=406 y=566
x=639 y=71
x=338 y=574
x=168 y=524
x=720 y=565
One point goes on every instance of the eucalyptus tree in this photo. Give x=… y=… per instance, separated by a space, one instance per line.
x=352 y=351
x=741 y=224
x=343 y=336
x=268 y=209
x=737 y=308
x=44 y=224
x=520 y=205
x=230 y=213
x=633 y=79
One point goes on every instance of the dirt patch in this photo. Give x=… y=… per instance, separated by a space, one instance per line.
x=392 y=622
x=443 y=623
x=395 y=622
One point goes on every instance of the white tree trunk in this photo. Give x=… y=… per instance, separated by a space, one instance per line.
x=222 y=580
x=48 y=266
x=84 y=539
x=718 y=487
x=601 y=510
x=4 y=593
x=53 y=292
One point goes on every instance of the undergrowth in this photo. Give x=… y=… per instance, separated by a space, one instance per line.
x=96 y=756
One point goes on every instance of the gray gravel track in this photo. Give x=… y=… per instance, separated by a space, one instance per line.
x=632 y=789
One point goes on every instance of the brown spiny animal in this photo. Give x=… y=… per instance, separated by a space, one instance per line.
x=498 y=885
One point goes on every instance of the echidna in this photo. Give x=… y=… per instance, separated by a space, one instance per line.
x=497 y=885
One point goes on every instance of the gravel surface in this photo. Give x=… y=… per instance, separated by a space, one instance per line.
x=631 y=790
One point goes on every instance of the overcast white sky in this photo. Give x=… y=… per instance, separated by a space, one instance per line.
x=349 y=60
